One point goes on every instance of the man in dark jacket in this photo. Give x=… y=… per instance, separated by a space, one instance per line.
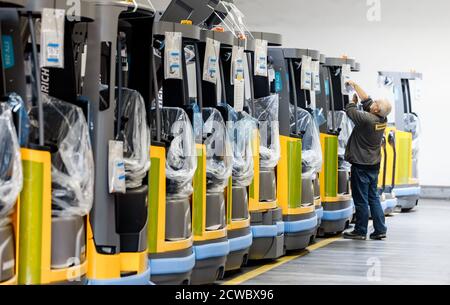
x=364 y=153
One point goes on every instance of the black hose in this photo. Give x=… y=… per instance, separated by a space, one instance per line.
x=252 y=85
x=384 y=165
x=394 y=167
x=119 y=87
x=37 y=77
x=294 y=95
x=156 y=92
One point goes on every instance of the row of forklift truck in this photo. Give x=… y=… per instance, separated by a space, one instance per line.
x=169 y=147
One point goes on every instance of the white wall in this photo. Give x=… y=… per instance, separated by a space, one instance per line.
x=410 y=35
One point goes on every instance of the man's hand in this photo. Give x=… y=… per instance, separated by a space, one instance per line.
x=355 y=99
x=361 y=93
x=350 y=83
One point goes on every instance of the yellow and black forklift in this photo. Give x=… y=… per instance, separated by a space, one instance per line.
x=300 y=143
x=335 y=129
x=403 y=137
x=56 y=157
x=232 y=103
x=117 y=84
x=265 y=212
x=13 y=136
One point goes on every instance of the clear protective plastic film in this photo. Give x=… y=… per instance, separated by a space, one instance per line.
x=172 y=56
x=20 y=110
x=67 y=135
x=211 y=63
x=345 y=125
x=346 y=70
x=306 y=73
x=136 y=138
x=260 y=64
x=241 y=127
x=412 y=124
x=219 y=151
x=11 y=177
x=181 y=159
x=52 y=38
x=266 y=112
x=311 y=147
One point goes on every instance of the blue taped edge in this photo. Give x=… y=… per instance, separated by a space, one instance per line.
x=407 y=191
x=338 y=215
x=241 y=242
x=301 y=225
x=175 y=265
x=212 y=250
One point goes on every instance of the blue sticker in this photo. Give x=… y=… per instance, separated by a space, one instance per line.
x=278 y=82
x=8 y=52
x=327 y=87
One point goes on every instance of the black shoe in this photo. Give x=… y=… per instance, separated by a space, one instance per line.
x=354 y=235
x=377 y=236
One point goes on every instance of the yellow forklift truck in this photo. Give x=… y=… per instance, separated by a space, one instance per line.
x=266 y=223
x=242 y=127
x=404 y=138
x=57 y=160
x=265 y=212
x=13 y=135
x=213 y=149
x=292 y=82
x=174 y=159
x=11 y=181
x=116 y=82
x=215 y=96
x=210 y=238
x=335 y=176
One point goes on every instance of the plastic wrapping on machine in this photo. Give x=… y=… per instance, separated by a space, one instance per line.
x=135 y=134
x=67 y=136
x=412 y=124
x=241 y=126
x=311 y=147
x=181 y=160
x=219 y=154
x=19 y=109
x=11 y=179
x=345 y=127
x=266 y=112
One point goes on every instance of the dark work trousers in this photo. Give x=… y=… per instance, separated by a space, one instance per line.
x=365 y=195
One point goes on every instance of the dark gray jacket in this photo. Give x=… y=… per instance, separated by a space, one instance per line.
x=364 y=145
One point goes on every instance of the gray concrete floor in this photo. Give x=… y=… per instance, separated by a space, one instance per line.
x=417 y=251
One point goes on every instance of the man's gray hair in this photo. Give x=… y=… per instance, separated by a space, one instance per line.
x=385 y=107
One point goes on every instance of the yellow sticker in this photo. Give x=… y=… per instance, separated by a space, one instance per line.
x=379 y=127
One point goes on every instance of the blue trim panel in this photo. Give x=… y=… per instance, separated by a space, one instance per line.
x=175 y=265
x=280 y=227
x=407 y=191
x=138 y=279
x=264 y=231
x=301 y=225
x=391 y=203
x=319 y=212
x=268 y=230
x=241 y=243
x=212 y=250
x=338 y=215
